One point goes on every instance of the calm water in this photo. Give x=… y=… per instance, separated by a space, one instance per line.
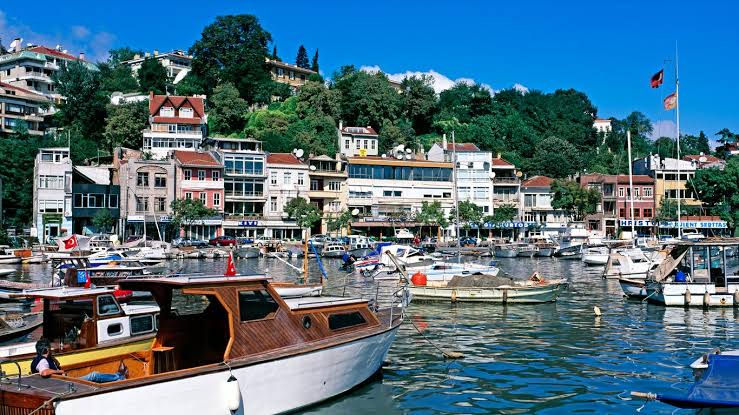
x=545 y=359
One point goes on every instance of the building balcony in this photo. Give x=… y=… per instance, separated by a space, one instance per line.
x=201 y=185
x=511 y=181
x=324 y=194
x=328 y=173
x=35 y=76
x=500 y=202
x=245 y=197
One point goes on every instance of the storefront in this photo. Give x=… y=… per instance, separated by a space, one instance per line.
x=642 y=227
x=202 y=230
x=708 y=226
x=157 y=227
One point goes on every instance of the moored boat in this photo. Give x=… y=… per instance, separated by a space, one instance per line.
x=506 y=251
x=333 y=250
x=595 y=255
x=635 y=289
x=526 y=250
x=482 y=288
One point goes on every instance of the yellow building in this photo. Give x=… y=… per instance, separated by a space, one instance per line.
x=668 y=183
x=286 y=73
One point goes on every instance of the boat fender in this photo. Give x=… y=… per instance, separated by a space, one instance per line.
x=419 y=278
x=596 y=311
x=233 y=394
x=688 y=296
x=454 y=296
x=505 y=296
x=736 y=297
x=706 y=299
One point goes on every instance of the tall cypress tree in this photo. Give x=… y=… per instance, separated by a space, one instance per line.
x=314 y=65
x=302 y=59
x=274 y=53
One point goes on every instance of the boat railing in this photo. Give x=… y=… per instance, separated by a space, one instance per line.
x=4 y=376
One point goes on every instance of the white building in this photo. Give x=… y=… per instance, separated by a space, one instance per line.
x=474 y=182
x=602 y=125
x=52 y=194
x=358 y=141
x=287 y=179
x=174 y=62
x=387 y=191
x=536 y=205
x=175 y=122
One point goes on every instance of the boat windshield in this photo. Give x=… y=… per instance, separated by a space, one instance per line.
x=68 y=322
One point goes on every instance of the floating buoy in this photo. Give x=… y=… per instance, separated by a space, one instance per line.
x=688 y=296
x=454 y=296
x=233 y=394
x=597 y=312
x=419 y=278
x=706 y=299
x=452 y=355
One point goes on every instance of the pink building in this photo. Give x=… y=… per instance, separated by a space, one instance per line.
x=614 y=211
x=199 y=175
x=643 y=197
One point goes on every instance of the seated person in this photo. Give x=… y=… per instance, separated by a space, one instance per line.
x=46 y=365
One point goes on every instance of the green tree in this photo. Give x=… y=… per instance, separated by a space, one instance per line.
x=571 y=197
x=315 y=99
x=719 y=191
x=691 y=144
x=274 y=54
x=116 y=79
x=504 y=213
x=314 y=64
x=227 y=109
x=464 y=102
x=367 y=99
x=556 y=158
x=418 y=102
x=665 y=147
x=152 y=77
x=234 y=49
x=340 y=222
x=469 y=214
x=124 y=125
x=301 y=60
x=190 y=85
x=395 y=133
x=185 y=211
x=103 y=220
x=726 y=136
x=116 y=56
x=431 y=214
x=667 y=210
x=83 y=109
x=304 y=213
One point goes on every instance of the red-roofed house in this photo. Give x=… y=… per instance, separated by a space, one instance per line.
x=705 y=161
x=199 y=175
x=536 y=207
x=443 y=151
x=20 y=106
x=287 y=178
x=175 y=122
x=615 y=207
x=358 y=141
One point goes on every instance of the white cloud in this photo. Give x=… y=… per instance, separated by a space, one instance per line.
x=80 y=32
x=520 y=88
x=664 y=128
x=440 y=82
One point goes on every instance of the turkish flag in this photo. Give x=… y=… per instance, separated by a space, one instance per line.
x=230 y=267
x=70 y=242
x=657 y=79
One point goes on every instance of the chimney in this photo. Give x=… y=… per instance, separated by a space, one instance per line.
x=18 y=44
x=146 y=55
x=443 y=141
x=82 y=56
x=498 y=156
x=156 y=52
x=137 y=56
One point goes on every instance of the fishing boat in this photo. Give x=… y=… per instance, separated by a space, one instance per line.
x=597 y=255
x=571 y=253
x=716 y=391
x=333 y=250
x=525 y=250
x=631 y=263
x=572 y=241
x=441 y=272
x=247 y=252
x=697 y=273
x=545 y=247
x=489 y=289
x=506 y=251
x=634 y=289
x=229 y=355
x=84 y=324
x=14 y=326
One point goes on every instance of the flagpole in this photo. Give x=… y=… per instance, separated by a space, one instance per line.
x=631 y=185
x=677 y=114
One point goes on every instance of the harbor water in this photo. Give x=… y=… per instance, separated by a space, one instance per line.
x=518 y=359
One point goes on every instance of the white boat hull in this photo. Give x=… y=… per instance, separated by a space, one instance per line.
x=673 y=294
x=506 y=252
x=271 y=387
x=6 y=271
x=633 y=289
x=11 y=260
x=511 y=294
x=595 y=259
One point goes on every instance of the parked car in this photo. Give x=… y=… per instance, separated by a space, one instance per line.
x=468 y=240
x=245 y=241
x=265 y=240
x=223 y=240
x=133 y=238
x=181 y=242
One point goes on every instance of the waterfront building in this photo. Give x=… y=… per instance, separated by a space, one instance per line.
x=614 y=209
x=705 y=161
x=244 y=178
x=328 y=190
x=536 y=205
x=175 y=122
x=52 y=194
x=20 y=107
x=506 y=184
x=287 y=179
x=358 y=141
x=474 y=168
x=667 y=182
x=174 y=62
x=147 y=189
x=33 y=68
x=199 y=176
x=93 y=191
x=285 y=73
x=388 y=192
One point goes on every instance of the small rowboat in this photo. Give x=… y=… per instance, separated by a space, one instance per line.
x=13 y=327
x=635 y=289
x=532 y=291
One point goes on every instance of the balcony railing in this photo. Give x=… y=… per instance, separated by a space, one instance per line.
x=506 y=180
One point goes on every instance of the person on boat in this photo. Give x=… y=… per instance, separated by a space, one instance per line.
x=46 y=365
x=349 y=260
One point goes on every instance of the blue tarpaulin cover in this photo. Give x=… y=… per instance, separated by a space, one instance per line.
x=717 y=388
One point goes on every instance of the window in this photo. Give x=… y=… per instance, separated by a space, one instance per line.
x=216 y=199
x=620 y=192
x=142 y=179
x=622 y=212
x=188 y=174
x=287 y=178
x=256 y=305
x=529 y=200
x=273 y=204
x=92 y=200
x=172 y=128
x=188 y=195
x=51 y=206
x=647 y=213
x=107 y=305
x=142 y=324
x=334 y=186
x=344 y=320
x=301 y=179
x=636 y=193
x=636 y=212
x=347 y=144
x=113 y=201
x=142 y=204
x=203 y=197
x=160 y=204
x=647 y=192
x=387 y=193
x=201 y=174
x=315 y=185
x=186 y=112
x=446 y=195
x=166 y=112
x=366 y=145
x=160 y=180
x=115 y=329
x=273 y=178
x=215 y=175
x=372 y=144
x=51 y=182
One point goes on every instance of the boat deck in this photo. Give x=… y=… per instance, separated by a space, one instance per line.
x=299 y=303
x=45 y=388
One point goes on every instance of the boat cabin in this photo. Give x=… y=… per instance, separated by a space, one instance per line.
x=708 y=262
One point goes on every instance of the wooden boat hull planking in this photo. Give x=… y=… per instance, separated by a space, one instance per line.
x=543 y=294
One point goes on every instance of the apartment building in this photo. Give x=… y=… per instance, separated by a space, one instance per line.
x=52 y=194
x=244 y=178
x=175 y=122
x=93 y=191
x=614 y=210
x=705 y=161
x=358 y=141
x=288 y=179
x=506 y=183
x=474 y=171
x=668 y=183
x=387 y=191
x=199 y=176
x=536 y=204
x=175 y=62
x=20 y=107
x=285 y=73
x=328 y=191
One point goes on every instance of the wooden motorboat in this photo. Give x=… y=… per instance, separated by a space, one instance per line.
x=533 y=290
x=506 y=251
x=15 y=326
x=595 y=255
x=241 y=348
x=84 y=324
x=333 y=250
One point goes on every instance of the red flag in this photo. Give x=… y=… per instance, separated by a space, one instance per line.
x=670 y=101
x=70 y=242
x=657 y=79
x=230 y=267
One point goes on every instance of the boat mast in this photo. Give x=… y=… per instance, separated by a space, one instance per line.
x=677 y=114
x=456 y=196
x=631 y=184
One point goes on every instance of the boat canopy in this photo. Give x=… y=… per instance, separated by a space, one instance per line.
x=717 y=388
x=141 y=284
x=62 y=293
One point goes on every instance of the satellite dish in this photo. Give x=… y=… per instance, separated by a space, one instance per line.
x=180 y=76
x=384 y=156
x=399 y=156
x=312 y=168
x=401 y=147
x=702 y=159
x=299 y=153
x=355 y=212
x=492 y=174
x=519 y=174
x=408 y=150
x=408 y=157
x=295 y=150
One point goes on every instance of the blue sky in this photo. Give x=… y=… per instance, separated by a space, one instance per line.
x=606 y=49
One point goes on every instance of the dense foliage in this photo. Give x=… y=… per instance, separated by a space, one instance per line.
x=571 y=197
